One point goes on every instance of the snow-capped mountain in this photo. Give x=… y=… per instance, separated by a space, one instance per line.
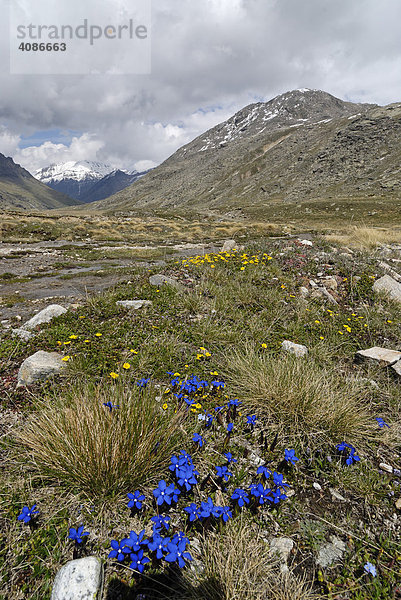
x=73 y=178
x=87 y=181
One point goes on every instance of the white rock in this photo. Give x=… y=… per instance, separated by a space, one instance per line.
x=297 y=349
x=317 y=486
x=230 y=245
x=305 y=242
x=381 y=355
x=330 y=552
x=159 y=280
x=396 y=368
x=80 y=579
x=336 y=495
x=283 y=547
x=389 y=286
x=385 y=467
x=45 y=315
x=304 y=292
x=39 y=366
x=134 y=304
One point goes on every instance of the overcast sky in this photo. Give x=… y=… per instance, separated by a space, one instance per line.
x=209 y=59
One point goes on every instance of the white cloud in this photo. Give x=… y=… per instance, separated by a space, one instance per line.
x=209 y=59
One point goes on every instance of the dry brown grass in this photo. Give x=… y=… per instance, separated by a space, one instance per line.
x=237 y=566
x=366 y=238
x=79 y=442
x=299 y=397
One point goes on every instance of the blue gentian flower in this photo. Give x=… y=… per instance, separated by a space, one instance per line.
x=289 y=456
x=251 y=420
x=135 y=500
x=369 y=568
x=110 y=405
x=159 y=545
x=206 y=508
x=142 y=383
x=382 y=423
x=193 y=512
x=225 y=513
x=230 y=427
x=164 y=493
x=234 y=402
x=224 y=473
x=135 y=541
x=278 y=495
x=352 y=456
x=278 y=480
x=27 y=514
x=262 y=493
x=160 y=521
x=138 y=561
x=186 y=478
x=119 y=549
x=209 y=420
x=77 y=534
x=241 y=496
x=263 y=470
x=230 y=458
x=198 y=439
x=177 y=553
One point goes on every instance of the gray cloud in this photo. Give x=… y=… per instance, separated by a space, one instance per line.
x=209 y=59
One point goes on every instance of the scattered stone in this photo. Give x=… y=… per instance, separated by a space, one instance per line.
x=80 y=579
x=39 y=366
x=398 y=504
x=336 y=495
x=396 y=368
x=390 y=271
x=283 y=547
x=159 y=280
x=317 y=486
x=304 y=292
x=230 y=245
x=298 y=349
x=388 y=285
x=330 y=552
x=44 y=316
x=134 y=304
x=381 y=355
x=330 y=283
x=305 y=242
x=386 y=468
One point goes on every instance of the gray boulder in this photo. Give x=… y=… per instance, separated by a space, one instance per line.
x=80 y=579
x=230 y=245
x=22 y=334
x=159 y=280
x=383 y=356
x=39 y=366
x=44 y=316
x=396 y=368
x=389 y=286
x=134 y=304
x=298 y=349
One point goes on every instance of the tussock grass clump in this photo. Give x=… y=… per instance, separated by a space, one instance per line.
x=366 y=238
x=300 y=397
x=237 y=565
x=79 y=442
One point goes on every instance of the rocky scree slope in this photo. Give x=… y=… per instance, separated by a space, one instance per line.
x=302 y=145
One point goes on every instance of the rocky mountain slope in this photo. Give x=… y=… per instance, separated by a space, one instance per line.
x=86 y=181
x=110 y=184
x=19 y=190
x=302 y=145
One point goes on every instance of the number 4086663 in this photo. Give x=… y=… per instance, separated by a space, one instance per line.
x=42 y=47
